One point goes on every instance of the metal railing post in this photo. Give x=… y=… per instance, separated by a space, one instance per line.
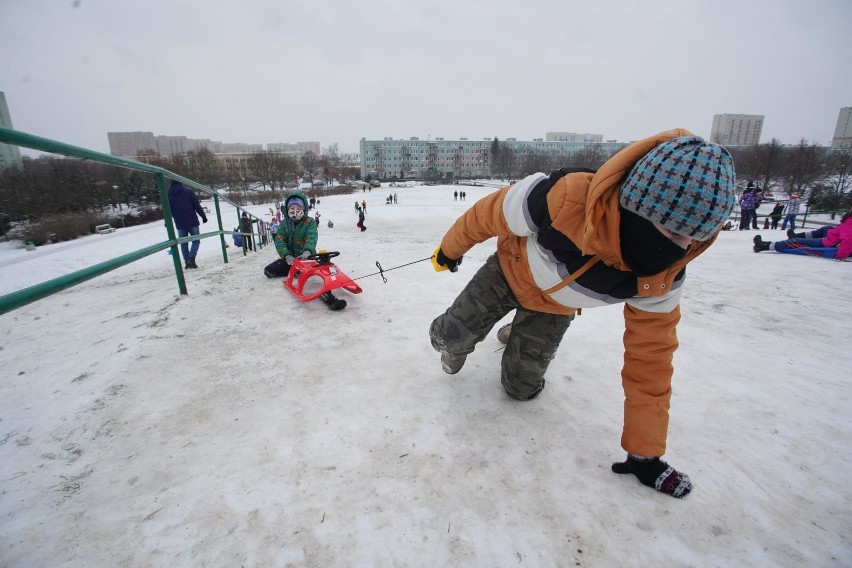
x=170 y=230
x=221 y=228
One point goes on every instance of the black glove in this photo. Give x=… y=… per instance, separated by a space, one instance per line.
x=656 y=473
x=450 y=263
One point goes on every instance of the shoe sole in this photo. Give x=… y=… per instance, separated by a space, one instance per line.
x=449 y=369
x=503 y=333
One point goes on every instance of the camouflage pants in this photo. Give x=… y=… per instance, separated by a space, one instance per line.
x=486 y=300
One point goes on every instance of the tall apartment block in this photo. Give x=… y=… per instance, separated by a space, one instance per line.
x=736 y=129
x=129 y=144
x=10 y=155
x=843 y=131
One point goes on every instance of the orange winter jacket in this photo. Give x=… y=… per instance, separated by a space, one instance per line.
x=559 y=248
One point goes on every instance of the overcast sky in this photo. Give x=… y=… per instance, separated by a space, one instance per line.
x=261 y=71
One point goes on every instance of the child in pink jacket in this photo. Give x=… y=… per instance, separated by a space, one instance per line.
x=830 y=242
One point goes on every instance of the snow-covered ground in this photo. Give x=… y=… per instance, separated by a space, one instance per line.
x=237 y=426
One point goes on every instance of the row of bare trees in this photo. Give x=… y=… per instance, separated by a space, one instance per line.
x=506 y=162
x=50 y=186
x=822 y=174
x=60 y=186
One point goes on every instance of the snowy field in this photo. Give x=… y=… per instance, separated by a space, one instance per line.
x=237 y=426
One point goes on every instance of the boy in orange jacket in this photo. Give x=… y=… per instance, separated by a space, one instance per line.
x=582 y=239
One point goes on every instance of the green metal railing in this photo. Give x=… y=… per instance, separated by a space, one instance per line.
x=37 y=292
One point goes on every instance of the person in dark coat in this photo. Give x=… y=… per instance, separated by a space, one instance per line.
x=776 y=214
x=184 y=205
x=246 y=227
x=748 y=212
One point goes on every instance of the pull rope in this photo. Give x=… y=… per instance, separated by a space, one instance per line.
x=383 y=270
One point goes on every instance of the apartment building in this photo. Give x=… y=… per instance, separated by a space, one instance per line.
x=129 y=144
x=572 y=137
x=736 y=129
x=843 y=131
x=10 y=155
x=298 y=148
x=451 y=159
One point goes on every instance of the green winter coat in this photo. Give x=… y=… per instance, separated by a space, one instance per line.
x=295 y=237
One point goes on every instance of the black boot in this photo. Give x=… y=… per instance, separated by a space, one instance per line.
x=791 y=234
x=332 y=302
x=759 y=244
x=190 y=263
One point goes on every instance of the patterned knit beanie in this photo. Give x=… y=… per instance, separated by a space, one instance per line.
x=294 y=200
x=686 y=185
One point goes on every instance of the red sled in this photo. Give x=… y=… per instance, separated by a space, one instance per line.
x=319 y=265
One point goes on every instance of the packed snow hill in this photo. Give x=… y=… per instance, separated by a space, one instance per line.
x=238 y=425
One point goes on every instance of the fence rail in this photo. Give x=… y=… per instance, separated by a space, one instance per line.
x=37 y=292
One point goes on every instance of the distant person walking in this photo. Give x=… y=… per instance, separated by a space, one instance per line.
x=184 y=205
x=360 y=223
x=792 y=211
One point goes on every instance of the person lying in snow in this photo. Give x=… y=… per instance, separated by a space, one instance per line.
x=829 y=242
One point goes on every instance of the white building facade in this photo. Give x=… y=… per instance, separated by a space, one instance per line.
x=572 y=137
x=453 y=159
x=10 y=155
x=129 y=144
x=736 y=129
x=843 y=131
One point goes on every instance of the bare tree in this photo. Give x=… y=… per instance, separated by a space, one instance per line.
x=591 y=156
x=332 y=154
x=203 y=167
x=760 y=163
x=840 y=169
x=508 y=161
x=262 y=168
x=309 y=163
x=536 y=162
x=495 y=156
x=804 y=167
x=286 y=168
